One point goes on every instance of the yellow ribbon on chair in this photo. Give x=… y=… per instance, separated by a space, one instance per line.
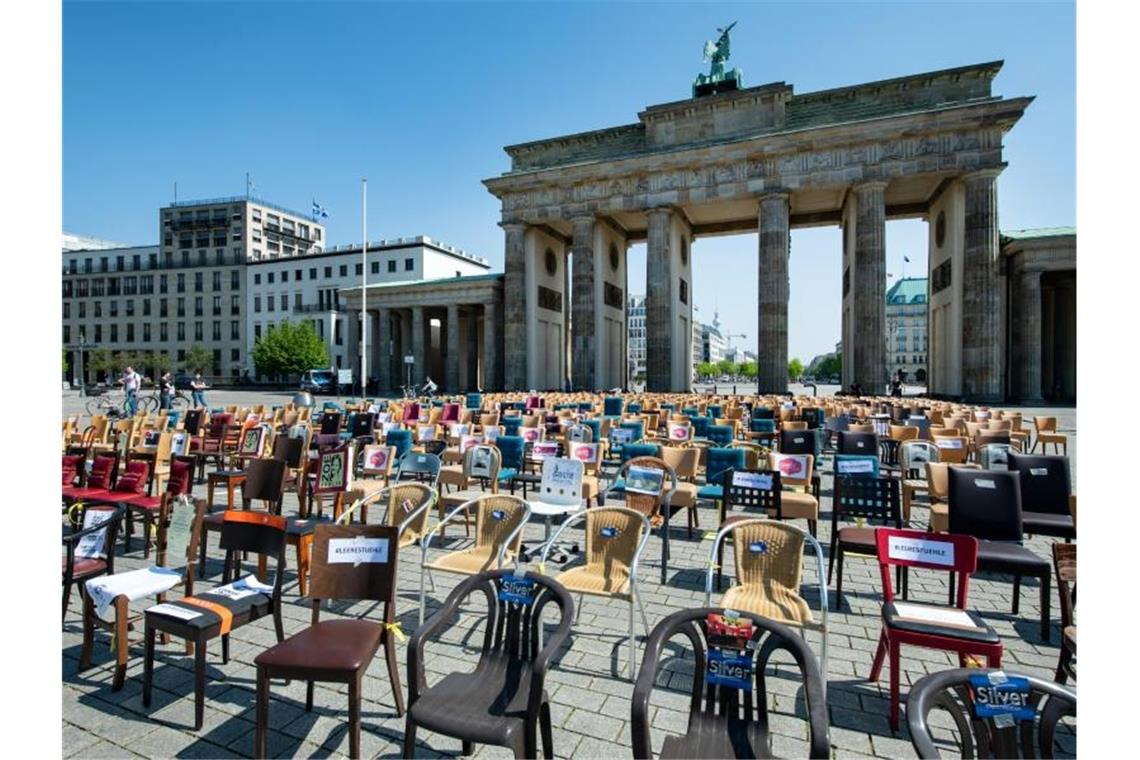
x=397 y=631
x=542 y=568
x=73 y=509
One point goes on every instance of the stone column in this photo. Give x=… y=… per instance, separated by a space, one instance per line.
x=1029 y=296
x=582 y=317
x=516 y=327
x=772 y=327
x=982 y=339
x=870 y=288
x=451 y=361
x=490 y=348
x=659 y=302
x=330 y=338
x=384 y=349
x=419 y=346
x=472 y=357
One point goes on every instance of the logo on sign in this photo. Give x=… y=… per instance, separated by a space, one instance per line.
x=498 y=514
x=758 y=547
x=726 y=669
x=793 y=467
x=609 y=532
x=516 y=590
x=1009 y=697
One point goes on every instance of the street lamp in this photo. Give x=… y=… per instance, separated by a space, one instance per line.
x=80 y=364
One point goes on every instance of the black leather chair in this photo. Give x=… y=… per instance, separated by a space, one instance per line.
x=1045 y=490
x=987 y=505
x=857 y=443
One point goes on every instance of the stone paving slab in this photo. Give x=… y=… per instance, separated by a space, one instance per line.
x=587 y=685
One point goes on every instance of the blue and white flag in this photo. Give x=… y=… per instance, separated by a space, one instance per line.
x=319 y=211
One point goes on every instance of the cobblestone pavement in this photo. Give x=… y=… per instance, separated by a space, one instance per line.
x=591 y=698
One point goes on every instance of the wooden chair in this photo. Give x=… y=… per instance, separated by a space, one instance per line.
x=339 y=651
x=615 y=539
x=1046 y=430
x=938 y=493
x=200 y=618
x=913 y=456
x=90 y=551
x=1065 y=568
x=797 y=501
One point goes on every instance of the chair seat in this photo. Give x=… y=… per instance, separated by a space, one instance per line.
x=84 y=566
x=915 y=484
x=142 y=501
x=590 y=487
x=1012 y=558
x=507 y=474
x=242 y=608
x=330 y=646
x=1070 y=637
x=718 y=736
x=797 y=505
x=84 y=494
x=593 y=580
x=770 y=600
x=686 y=494
x=855 y=539
x=467 y=561
x=1048 y=524
x=983 y=633
x=487 y=706
x=716 y=493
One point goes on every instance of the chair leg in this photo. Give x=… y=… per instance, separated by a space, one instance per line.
x=354 y=717
x=950 y=588
x=148 y=665
x=199 y=684
x=88 y=635
x=225 y=648
x=393 y=671
x=894 y=654
x=880 y=653
x=409 y=738
x=309 y=696
x=545 y=724
x=148 y=526
x=1063 y=661
x=632 y=652
x=122 y=645
x=468 y=748
x=812 y=526
x=1016 y=594
x=1045 y=600
x=260 y=737
x=839 y=579
x=66 y=599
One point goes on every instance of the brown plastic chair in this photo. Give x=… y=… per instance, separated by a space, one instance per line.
x=502 y=701
x=338 y=651
x=1065 y=568
x=499 y=523
x=1046 y=429
x=615 y=539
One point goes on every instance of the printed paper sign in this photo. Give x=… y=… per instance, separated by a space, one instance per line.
x=921 y=550
x=646 y=480
x=248 y=586
x=544 y=449
x=678 y=432
x=530 y=434
x=562 y=475
x=586 y=453
x=179 y=530
x=981 y=415
x=298 y=431
x=761 y=481
x=383 y=417
x=92 y=545
x=389 y=426
x=948 y=443
x=150 y=441
x=467 y=441
x=425 y=433
x=377 y=458
x=332 y=471
x=516 y=589
x=621 y=435
x=481 y=458
x=173 y=610
x=792 y=465
x=359 y=550
x=460 y=429
x=1038 y=471
x=988 y=484
x=855 y=466
x=491 y=434
x=251 y=441
x=373 y=409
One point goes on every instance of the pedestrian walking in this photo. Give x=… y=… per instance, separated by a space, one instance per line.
x=131 y=384
x=166 y=391
x=198 y=388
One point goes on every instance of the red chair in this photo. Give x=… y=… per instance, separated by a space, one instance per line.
x=147 y=507
x=450 y=415
x=934 y=626
x=98 y=481
x=411 y=413
x=131 y=483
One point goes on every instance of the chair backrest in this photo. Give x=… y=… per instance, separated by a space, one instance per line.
x=354 y=562
x=795 y=469
x=580 y=433
x=180 y=479
x=915 y=454
x=993 y=456
x=769 y=552
x=1045 y=482
x=255 y=532
x=99 y=544
x=401 y=440
x=612 y=406
x=330 y=423
x=938 y=478
x=719 y=460
x=797 y=442
x=405 y=502
x=752 y=490
x=421 y=466
x=614 y=538
x=1065 y=568
x=721 y=435
x=952 y=448
x=903 y=432
x=849 y=442
x=726 y=679
x=561 y=481
x=264 y=479
x=647 y=480
x=988 y=706
x=635 y=450
x=854 y=465
x=512 y=449
x=362 y=424
x=411 y=413
x=1045 y=424
x=871 y=498
x=948 y=552
x=985 y=504
x=72 y=468
x=496 y=520
x=684 y=461
x=289 y=450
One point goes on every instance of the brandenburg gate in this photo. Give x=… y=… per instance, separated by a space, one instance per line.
x=760 y=159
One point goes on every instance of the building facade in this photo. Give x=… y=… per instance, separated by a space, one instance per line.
x=308 y=286
x=635 y=319
x=906 y=330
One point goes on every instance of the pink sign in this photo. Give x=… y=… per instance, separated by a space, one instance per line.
x=792 y=466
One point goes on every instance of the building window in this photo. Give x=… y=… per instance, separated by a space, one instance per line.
x=130 y=332
x=284 y=302
x=235 y=305
x=328 y=272
x=375 y=267
x=182 y=307
x=162 y=307
x=146 y=307
x=257 y=279
x=312 y=273
x=297 y=274
x=256 y=304
x=269 y=302
x=98 y=308
x=217 y=306
x=409 y=264
x=87 y=266
x=217 y=281
x=114 y=333
x=66 y=333
x=285 y=275
x=181 y=283
x=235 y=280
x=98 y=333
x=146 y=284
x=82 y=310
x=256 y=333
x=163 y=332
x=359 y=270
x=198 y=331
x=337 y=337
x=270 y=279
x=162 y=287
x=198 y=306
x=67 y=289
x=216 y=330
x=392 y=265
x=129 y=308
x=198 y=282
x=297 y=302
x=235 y=330
x=344 y=270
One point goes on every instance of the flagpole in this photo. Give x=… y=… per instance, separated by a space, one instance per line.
x=364 y=288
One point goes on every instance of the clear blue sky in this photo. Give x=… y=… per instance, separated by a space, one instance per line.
x=420 y=99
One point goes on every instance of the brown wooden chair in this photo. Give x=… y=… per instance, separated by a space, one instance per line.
x=1065 y=567
x=264 y=481
x=1046 y=430
x=90 y=551
x=339 y=651
x=198 y=619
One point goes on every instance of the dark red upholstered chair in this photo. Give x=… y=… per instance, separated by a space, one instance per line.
x=950 y=628
x=99 y=480
x=89 y=552
x=338 y=651
x=179 y=482
x=208 y=615
x=411 y=413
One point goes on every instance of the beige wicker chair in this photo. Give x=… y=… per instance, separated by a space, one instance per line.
x=615 y=539
x=461 y=479
x=499 y=522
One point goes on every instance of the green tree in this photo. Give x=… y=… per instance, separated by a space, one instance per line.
x=65 y=365
x=705 y=369
x=198 y=359
x=748 y=370
x=290 y=348
x=101 y=360
x=829 y=366
x=795 y=369
x=154 y=362
x=725 y=367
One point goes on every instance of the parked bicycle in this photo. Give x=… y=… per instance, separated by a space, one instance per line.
x=113 y=402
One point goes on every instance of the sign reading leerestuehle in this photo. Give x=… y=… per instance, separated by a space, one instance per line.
x=358 y=550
